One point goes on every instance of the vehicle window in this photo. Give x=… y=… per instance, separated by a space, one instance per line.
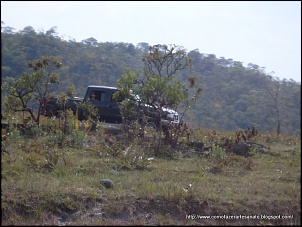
x=98 y=96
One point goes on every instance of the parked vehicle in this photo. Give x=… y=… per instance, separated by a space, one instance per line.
x=109 y=110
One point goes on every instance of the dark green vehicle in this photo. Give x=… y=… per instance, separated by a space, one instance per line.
x=108 y=108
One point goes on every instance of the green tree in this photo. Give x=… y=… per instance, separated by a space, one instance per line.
x=157 y=85
x=21 y=94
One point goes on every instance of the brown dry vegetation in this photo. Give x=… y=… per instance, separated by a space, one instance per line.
x=46 y=184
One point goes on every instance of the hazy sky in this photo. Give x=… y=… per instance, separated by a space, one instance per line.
x=265 y=33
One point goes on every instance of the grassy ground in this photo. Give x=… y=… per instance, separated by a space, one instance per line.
x=46 y=184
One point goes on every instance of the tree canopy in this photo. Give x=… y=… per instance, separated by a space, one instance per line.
x=233 y=96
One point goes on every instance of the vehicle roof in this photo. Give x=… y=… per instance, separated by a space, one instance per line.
x=107 y=87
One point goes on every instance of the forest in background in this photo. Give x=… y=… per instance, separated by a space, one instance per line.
x=234 y=97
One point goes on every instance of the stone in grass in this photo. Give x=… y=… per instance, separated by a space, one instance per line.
x=107 y=183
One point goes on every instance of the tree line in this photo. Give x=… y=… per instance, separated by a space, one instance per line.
x=233 y=97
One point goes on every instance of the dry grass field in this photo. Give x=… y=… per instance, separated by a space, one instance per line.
x=46 y=184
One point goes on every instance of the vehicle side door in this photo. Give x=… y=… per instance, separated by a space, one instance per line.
x=112 y=108
x=98 y=99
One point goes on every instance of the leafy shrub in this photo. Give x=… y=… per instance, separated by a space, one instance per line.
x=76 y=139
x=218 y=153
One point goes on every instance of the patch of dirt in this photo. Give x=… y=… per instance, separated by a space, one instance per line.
x=182 y=211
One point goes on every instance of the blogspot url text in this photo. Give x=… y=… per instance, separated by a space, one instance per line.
x=239 y=217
